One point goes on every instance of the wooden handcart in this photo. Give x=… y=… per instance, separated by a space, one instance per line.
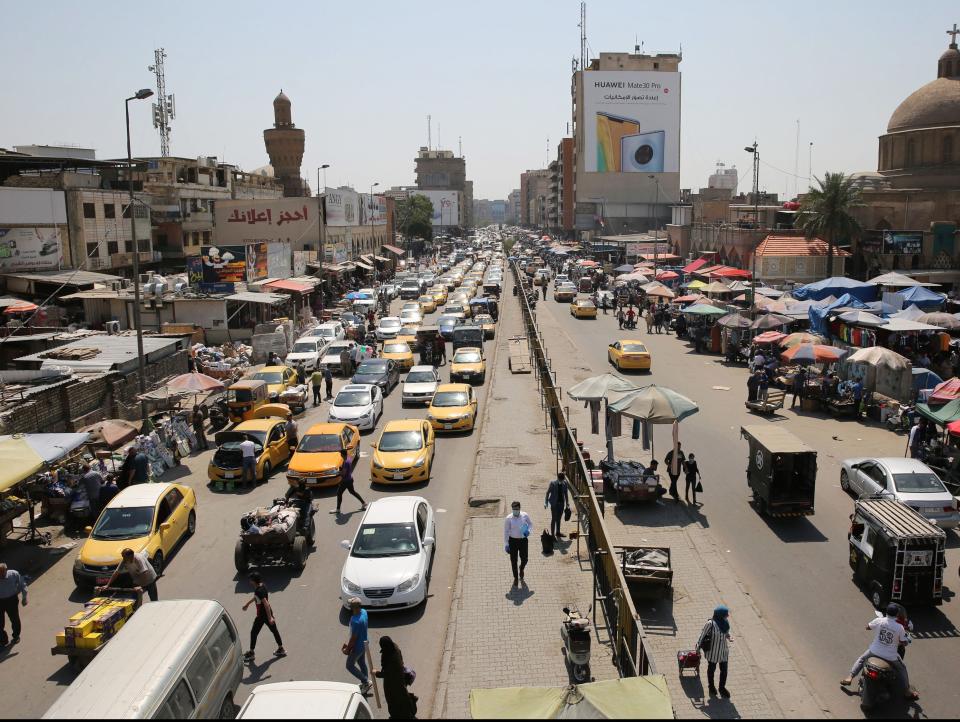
x=519 y=360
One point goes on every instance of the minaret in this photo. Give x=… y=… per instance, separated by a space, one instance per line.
x=285 y=143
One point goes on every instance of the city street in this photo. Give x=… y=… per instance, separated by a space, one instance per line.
x=307 y=605
x=795 y=570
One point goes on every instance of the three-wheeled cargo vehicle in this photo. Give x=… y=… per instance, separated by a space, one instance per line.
x=468 y=334
x=277 y=535
x=244 y=398
x=781 y=471
x=426 y=343
x=896 y=554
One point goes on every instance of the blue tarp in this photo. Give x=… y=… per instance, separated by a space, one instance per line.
x=818 y=314
x=836 y=286
x=924 y=379
x=922 y=297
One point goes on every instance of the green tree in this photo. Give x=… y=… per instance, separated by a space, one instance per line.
x=414 y=217
x=826 y=212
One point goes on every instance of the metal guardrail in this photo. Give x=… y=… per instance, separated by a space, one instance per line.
x=611 y=592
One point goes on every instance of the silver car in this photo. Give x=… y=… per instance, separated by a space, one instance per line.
x=907 y=480
x=420 y=385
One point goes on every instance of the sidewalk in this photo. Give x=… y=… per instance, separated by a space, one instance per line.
x=764 y=679
x=499 y=635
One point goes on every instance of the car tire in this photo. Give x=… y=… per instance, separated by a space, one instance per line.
x=157 y=562
x=299 y=552
x=192 y=524
x=844 y=481
x=227 y=709
x=267 y=469
x=877 y=597
x=240 y=557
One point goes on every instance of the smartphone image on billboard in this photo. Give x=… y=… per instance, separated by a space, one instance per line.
x=643 y=152
x=611 y=130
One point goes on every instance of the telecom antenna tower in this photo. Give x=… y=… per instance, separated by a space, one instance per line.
x=165 y=109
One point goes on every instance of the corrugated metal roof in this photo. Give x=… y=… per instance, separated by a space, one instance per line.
x=795 y=246
x=117 y=352
x=776 y=440
x=67 y=276
x=251 y=297
x=900 y=518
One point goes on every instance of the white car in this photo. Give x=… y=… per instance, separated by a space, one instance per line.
x=358 y=404
x=331 y=356
x=329 y=331
x=309 y=350
x=388 y=327
x=411 y=317
x=305 y=700
x=390 y=557
x=420 y=385
x=907 y=480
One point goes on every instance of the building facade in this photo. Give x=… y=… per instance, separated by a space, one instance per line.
x=441 y=170
x=534 y=198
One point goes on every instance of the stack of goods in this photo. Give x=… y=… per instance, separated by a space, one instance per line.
x=625 y=474
x=160 y=457
x=278 y=519
x=101 y=618
x=175 y=431
x=227 y=362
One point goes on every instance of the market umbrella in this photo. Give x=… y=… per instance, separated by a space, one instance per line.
x=112 y=433
x=587 y=262
x=692 y=298
x=698 y=284
x=734 y=320
x=25 y=307
x=662 y=292
x=18 y=461
x=769 y=321
x=795 y=339
x=625 y=268
x=656 y=405
x=716 y=287
x=633 y=277
x=865 y=318
x=195 y=382
x=667 y=275
x=356 y=296
x=946 y=391
x=813 y=353
x=769 y=337
x=943 y=320
x=702 y=309
x=879 y=356
x=597 y=388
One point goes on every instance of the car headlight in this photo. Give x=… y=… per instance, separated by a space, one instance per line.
x=77 y=564
x=376 y=465
x=431 y=417
x=350 y=586
x=420 y=463
x=294 y=474
x=409 y=583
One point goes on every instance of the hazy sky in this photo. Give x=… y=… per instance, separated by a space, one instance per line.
x=363 y=77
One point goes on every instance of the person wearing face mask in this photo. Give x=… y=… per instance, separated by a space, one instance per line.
x=516 y=532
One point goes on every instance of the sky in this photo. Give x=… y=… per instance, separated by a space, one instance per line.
x=493 y=75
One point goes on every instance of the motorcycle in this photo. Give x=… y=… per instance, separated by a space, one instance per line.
x=218 y=415
x=575 y=632
x=902 y=420
x=878 y=683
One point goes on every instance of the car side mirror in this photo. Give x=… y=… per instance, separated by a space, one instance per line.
x=610 y=345
x=345 y=544
x=429 y=541
x=88 y=530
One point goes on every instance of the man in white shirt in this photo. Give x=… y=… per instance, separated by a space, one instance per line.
x=140 y=570
x=516 y=532
x=888 y=634
x=759 y=360
x=248 y=451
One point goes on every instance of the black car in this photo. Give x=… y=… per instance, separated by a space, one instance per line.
x=384 y=373
x=446 y=324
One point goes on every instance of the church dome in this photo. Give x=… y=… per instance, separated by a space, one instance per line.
x=937 y=103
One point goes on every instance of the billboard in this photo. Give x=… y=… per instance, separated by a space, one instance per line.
x=446 y=207
x=279 y=260
x=342 y=208
x=631 y=121
x=906 y=243
x=373 y=210
x=30 y=249
x=224 y=264
x=294 y=220
x=33 y=206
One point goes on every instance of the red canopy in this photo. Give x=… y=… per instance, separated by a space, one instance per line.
x=769 y=337
x=25 y=307
x=945 y=391
x=285 y=285
x=727 y=272
x=954 y=428
x=667 y=275
x=587 y=263
x=694 y=265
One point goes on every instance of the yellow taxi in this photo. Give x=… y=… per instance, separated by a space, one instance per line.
x=408 y=335
x=439 y=294
x=404 y=453
x=469 y=288
x=399 y=352
x=428 y=304
x=317 y=461
x=278 y=378
x=269 y=439
x=629 y=355
x=583 y=308
x=486 y=321
x=468 y=365
x=150 y=518
x=453 y=408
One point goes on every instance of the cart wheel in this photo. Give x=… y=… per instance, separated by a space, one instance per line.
x=300 y=552
x=227 y=709
x=240 y=557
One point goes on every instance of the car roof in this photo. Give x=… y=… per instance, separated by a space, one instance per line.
x=387 y=509
x=257 y=424
x=422 y=368
x=327 y=427
x=901 y=464
x=403 y=425
x=328 y=324
x=299 y=700
x=357 y=387
x=632 y=340
x=390 y=318
x=453 y=387
x=140 y=495
x=466 y=349
x=391 y=342
x=273 y=368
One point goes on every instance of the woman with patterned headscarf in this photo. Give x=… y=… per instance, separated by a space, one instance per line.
x=714 y=642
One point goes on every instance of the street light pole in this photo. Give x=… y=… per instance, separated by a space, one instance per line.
x=656 y=226
x=756 y=217
x=321 y=253
x=142 y=370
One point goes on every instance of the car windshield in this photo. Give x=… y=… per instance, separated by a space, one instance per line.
x=385 y=540
x=396 y=348
x=455 y=308
x=271 y=377
x=634 y=348
x=319 y=442
x=241 y=395
x=337 y=348
x=449 y=398
x=304 y=347
x=420 y=377
x=352 y=398
x=467 y=357
x=326 y=332
x=408 y=331
x=372 y=367
x=400 y=441
x=918 y=482
x=124 y=523
x=390 y=323
x=236 y=437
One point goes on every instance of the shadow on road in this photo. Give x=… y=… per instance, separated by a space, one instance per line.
x=388 y=619
x=518 y=595
x=793 y=530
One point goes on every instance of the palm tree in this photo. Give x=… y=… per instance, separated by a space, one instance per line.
x=825 y=212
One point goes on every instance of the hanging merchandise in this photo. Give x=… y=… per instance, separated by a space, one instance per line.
x=594 y=405
x=647 y=435
x=635 y=433
x=616 y=427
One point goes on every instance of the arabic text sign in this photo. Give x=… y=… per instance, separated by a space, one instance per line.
x=632 y=121
x=903 y=242
x=30 y=249
x=295 y=220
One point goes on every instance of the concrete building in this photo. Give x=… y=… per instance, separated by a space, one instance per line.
x=724 y=177
x=513 y=206
x=285 y=143
x=441 y=170
x=560 y=210
x=638 y=128
x=534 y=195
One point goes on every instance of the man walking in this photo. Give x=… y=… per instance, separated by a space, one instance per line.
x=440 y=351
x=557 y=499
x=674 y=471
x=264 y=617
x=516 y=532
x=692 y=477
x=799 y=386
x=92 y=481
x=620 y=318
x=346 y=368
x=248 y=455
x=291 y=430
x=356 y=647
x=301 y=373
x=11 y=585
x=197 y=419
x=316 y=382
x=141 y=468
x=346 y=482
x=141 y=572
x=328 y=382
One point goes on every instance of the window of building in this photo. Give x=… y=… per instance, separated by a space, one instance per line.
x=93 y=250
x=144 y=244
x=113 y=247
x=948 y=149
x=161 y=239
x=109 y=210
x=206 y=238
x=128 y=247
x=89 y=210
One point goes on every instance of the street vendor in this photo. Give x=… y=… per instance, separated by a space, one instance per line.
x=141 y=572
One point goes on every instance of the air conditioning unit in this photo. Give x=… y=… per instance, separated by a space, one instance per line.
x=112 y=327
x=116 y=285
x=145 y=277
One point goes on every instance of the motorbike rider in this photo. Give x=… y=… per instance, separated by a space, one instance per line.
x=888 y=635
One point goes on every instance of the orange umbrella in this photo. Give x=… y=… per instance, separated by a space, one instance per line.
x=813 y=353
x=25 y=307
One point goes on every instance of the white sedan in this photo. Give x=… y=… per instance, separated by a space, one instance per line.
x=411 y=317
x=391 y=555
x=907 y=480
x=388 y=327
x=308 y=350
x=420 y=385
x=358 y=404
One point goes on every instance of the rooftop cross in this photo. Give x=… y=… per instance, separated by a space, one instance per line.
x=953 y=34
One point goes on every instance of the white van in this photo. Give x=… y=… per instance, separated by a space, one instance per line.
x=176 y=659
x=305 y=700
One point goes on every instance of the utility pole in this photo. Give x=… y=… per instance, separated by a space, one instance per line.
x=656 y=226
x=164 y=110
x=756 y=214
